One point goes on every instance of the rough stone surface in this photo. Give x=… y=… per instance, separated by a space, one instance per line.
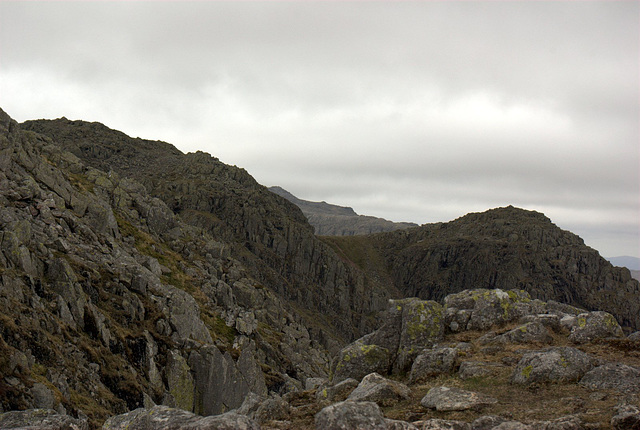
x=433 y=362
x=165 y=418
x=440 y=424
x=272 y=409
x=488 y=307
x=626 y=417
x=455 y=399
x=351 y=416
x=422 y=327
x=384 y=392
x=474 y=369
x=487 y=422
x=613 y=376
x=357 y=360
x=337 y=392
x=532 y=332
x=400 y=425
x=42 y=419
x=559 y=364
x=594 y=325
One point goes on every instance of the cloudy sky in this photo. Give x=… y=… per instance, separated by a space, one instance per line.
x=414 y=111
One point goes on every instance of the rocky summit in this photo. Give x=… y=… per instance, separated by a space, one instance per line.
x=144 y=288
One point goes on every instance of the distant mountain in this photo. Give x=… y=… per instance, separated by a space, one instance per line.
x=631 y=263
x=334 y=220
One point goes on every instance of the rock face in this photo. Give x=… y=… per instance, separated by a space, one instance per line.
x=594 y=325
x=433 y=362
x=332 y=220
x=559 y=364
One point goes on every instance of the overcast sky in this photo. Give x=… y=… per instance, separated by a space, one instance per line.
x=411 y=111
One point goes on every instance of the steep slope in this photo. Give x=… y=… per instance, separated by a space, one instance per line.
x=500 y=248
x=108 y=301
x=267 y=233
x=333 y=220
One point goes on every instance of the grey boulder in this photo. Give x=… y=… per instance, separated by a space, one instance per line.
x=455 y=399
x=351 y=416
x=384 y=392
x=559 y=364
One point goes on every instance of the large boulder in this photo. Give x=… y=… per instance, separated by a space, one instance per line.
x=558 y=364
x=358 y=359
x=42 y=419
x=591 y=326
x=627 y=417
x=384 y=392
x=422 y=327
x=455 y=399
x=481 y=309
x=432 y=362
x=613 y=376
x=351 y=416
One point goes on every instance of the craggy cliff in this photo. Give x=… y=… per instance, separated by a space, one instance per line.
x=132 y=275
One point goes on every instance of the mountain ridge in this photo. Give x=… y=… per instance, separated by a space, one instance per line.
x=333 y=220
x=132 y=275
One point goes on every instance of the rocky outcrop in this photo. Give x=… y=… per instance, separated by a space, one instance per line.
x=504 y=248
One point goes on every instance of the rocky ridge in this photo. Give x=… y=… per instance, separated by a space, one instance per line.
x=333 y=220
x=134 y=275
x=502 y=248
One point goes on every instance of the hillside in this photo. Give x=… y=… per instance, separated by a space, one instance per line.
x=500 y=248
x=333 y=220
x=132 y=275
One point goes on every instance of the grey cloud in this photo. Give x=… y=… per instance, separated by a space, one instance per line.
x=418 y=111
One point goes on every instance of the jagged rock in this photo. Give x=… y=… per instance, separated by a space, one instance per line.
x=627 y=417
x=455 y=399
x=433 y=362
x=550 y=321
x=313 y=383
x=532 y=332
x=338 y=392
x=43 y=397
x=375 y=388
x=165 y=418
x=357 y=360
x=180 y=382
x=42 y=419
x=635 y=336
x=422 y=327
x=399 y=425
x=274 y=408
x=613 y=376
x=594 y=325
x=486 y=308
x=219 y=385
x=487 y=422
x=440 y=424
x=351 y=415
x=250 y=404
x=474 y=369
x=558 y=364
